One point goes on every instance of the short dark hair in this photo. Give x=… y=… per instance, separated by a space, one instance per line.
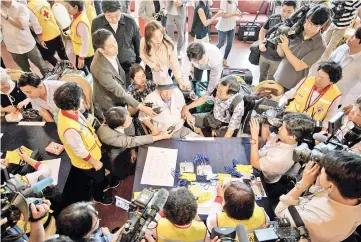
x=29 y=79
x=100 y=36
x=319 y=15
x=80 y=4
x=111 y=6
x=195 y=51
x=115 y=117
x=333 y=70
x=61 y=238
x=231 y=82
x=181 y=206
x=358 y=102
x=344 y=169
x=300 y=125
x=135 y=68
x=290 y=3
x=358 y=34
x=68 y=96
x=76 y=220
x=239 y=201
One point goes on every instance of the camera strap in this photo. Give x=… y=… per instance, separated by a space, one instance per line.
x=296 y=216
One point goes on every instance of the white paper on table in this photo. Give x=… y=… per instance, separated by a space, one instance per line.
x=31 y=123
x=158 y=167
x=205 y=208
x=54 y=166
x=1 y=135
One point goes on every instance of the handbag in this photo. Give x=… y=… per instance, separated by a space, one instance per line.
x=255 y=53
x=31 y=115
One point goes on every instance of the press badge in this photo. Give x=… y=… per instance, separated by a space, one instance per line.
x=121 y=203
x=204 y=170
x=187 y=167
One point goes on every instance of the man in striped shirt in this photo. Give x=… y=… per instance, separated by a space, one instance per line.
x=337 y=29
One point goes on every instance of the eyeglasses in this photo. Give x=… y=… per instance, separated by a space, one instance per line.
x=309 y=22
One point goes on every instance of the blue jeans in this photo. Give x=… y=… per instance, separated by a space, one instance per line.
x=222 y=36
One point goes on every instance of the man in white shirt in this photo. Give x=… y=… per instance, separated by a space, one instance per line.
x=203 y=56
x=333 y=213
x=171 y=101
x=15 y=19
x=275 y=158
x=41 y=94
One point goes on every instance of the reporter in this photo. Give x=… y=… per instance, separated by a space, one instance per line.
x=275 y=158
x=333 y=213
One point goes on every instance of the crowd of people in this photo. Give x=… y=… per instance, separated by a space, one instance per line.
x=140 y=94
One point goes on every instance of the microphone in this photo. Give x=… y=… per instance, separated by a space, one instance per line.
x=264 y=107
x=38 y=187
x=242 y=233
x=160 y=199
x=324 y=139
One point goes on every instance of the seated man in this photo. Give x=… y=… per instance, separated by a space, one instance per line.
x=235 y=204
x=318 y=96
x=335 y=212
x=41 y=94
x=12 y=98
x=170 y=100
x=227 y=111
x=203 y=56
x=275 y=159
x=179 y=222
x=118 y=132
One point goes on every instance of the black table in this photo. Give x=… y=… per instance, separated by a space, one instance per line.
x=221 y=152
x=36 y=138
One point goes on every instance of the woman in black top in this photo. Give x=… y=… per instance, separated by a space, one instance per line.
x=201 y=21
x=12 y=98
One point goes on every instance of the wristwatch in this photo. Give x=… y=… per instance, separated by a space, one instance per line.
x=299 y=186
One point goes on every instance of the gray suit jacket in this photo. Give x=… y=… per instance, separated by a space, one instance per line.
x=147 y=9
x=120 y=141
x=109 y=86
x=181 y=10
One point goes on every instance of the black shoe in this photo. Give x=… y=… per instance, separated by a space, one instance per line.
x=105 y=201
x=114 y=183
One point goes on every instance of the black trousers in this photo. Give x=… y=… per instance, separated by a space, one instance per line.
x=87 y=63
x=57 y=45
x=198 y=73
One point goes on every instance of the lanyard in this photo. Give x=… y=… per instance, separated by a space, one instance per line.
x=321 y=93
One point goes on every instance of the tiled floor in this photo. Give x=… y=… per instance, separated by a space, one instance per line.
x=111 y=216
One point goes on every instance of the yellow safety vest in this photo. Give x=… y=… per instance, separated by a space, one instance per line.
x=75 y=38
x=90 y=10
x=87 y=133
x=45 y=16
x=166 y=231
x=257 y=220
x=317 y=110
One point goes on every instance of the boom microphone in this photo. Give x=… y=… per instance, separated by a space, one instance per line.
x=242 y=233
x=38 y=187
x=320 y=137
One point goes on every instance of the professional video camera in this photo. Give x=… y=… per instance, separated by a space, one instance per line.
x=142 y=212
x=16 y=197
x=338 y=8
x=292 y=26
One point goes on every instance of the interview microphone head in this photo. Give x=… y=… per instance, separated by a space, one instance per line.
x=160 y=199
x=320 y=137
x=38 y=187
x=242 y=233
x=264 y=107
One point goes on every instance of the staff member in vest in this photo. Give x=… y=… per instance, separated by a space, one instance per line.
x=80 y=35
x=334 y=212
x=90 y=10
x=227 y=111
x=304 y=50
x=80 y=141
x=318 y=96
x=51 y=35
x=179 y=222
x=235 y=204
x=337 y=29
x=275 y=158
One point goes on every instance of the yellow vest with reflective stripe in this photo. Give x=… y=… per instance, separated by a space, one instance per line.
x=87 y=133
x=45 y=16
x=90 y=10
x=166 y=231
x=75 y=38
x=257 y=220
x=318 y=110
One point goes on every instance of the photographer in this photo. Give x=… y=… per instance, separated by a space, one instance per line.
x=302 y=51
x=36 y=226
x=275 y=158
x=333 y=213
x=318 y=96
x=344 y=14
x=269 y=59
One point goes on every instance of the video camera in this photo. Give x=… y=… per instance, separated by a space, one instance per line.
x=142 y=212
x=16 y=197
x=292 y=26
x=338 y=8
